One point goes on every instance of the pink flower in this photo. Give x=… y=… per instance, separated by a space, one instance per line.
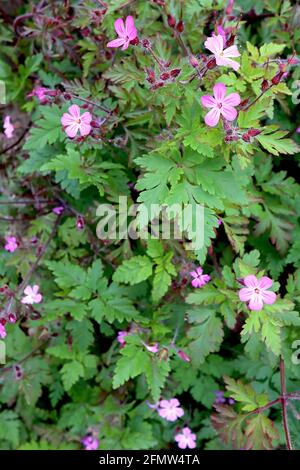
x=40 y=93
x=216 y=45
x=73 y=122
x=121 y=337
x=154 y=348
x=186 y=439
x=11 y=244
x=298 y=130
x=183 y=356
x=126 y=33
x=256 y=292
x=2 y=331
x=32 y=295
x=58 y=210
x=8 y=127
x=170 y=409
x=90 y=443
x=199 y=278
x=220 y=105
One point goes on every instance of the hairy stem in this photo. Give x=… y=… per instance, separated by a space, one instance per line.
x=283 y=400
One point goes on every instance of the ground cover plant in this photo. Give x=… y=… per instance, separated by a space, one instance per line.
x=114 y=332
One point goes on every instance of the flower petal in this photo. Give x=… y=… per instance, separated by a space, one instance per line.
x=126 y=45
x=219 y=92
x=251 y=281
x=231 y=51
x=268 y=296
x=214 y=44
x=120 y=28
x=116 y=43
x=212 y=118
x=265 y=282
x=221 y=60
x=256 y=302
x=174 y=402
x=233 y=99
x=72 y=130
x=74 y=110
x=84 y=129
x=86 y=118
x=208 y=101
x=67 y=119
x=229 y=112
x=245 y=294
x=130 y=28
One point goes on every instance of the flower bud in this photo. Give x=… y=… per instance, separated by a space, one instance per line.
x=156 y=86
x=146 y=43
x=276 y=79
x=193 y=61
x=264 y=85
x=254 y=132
x=171 y=21
x=80 y=222
x=12 y=318
x=211 y=64
x=175 y=72
x=183 y=356
x=246 y=137
x=180 y=26
x=67 y=96
x=165 y=76
x=150 y=76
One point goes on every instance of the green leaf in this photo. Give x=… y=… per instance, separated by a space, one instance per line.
x=134 y=270
x=71 y=373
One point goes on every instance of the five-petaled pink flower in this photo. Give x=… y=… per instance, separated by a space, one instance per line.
x=90 y=443
x=216 y=45
x=11 y=244
x=32 y=295
x=2 y=331
x=256 y=292
x=186 y=439
x=200 y=279
x=74 y=122
x=170 y=409
x=40 y=92
x=220 y=105
x=125 y=32
x=8 y=127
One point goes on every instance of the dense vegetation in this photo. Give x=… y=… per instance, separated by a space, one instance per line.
x=140 y=342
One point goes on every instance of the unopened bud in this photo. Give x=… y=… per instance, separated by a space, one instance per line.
x=193 y=61
x=150 y=76
x=246 y=137
x=165 y=76
x=67 y=96
x=180 y=26
x=171 y=21
x=12 y=318
x=157 y=86
x=276 y=79
x=80 y=222
x=175 y=72
x=264 y=85
x=254 y=132
x=211 y=64
x=183 y=356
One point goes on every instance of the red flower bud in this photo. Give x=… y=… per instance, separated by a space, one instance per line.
x=80 y=222
x=264 y=85
x=230 y=41
x=211 y=64
x=175 y=72
x=165 y=76
x=150 y=76
x=67 y=96
x=171 y=21
x=12 y=318
x=276 y=79
x=146 y=44
x=180 y=26
x=244 y=102
x=94 y=124
x=246 y=137
x=254 y=132
x=157 y=86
